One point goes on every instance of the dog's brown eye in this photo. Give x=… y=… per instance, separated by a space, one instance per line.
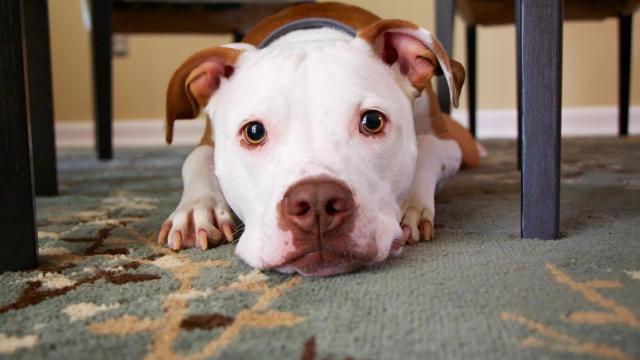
x=372 y=122
x=254 y=133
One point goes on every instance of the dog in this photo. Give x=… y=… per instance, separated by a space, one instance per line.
x=329 y=141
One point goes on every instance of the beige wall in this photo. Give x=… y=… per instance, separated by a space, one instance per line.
x=590 y=62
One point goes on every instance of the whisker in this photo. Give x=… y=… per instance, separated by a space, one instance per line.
x=238 y=230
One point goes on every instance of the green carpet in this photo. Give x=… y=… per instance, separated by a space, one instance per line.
x=104 y=289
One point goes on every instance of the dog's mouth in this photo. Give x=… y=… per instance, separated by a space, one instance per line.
x=329 y=262
x=323 y=263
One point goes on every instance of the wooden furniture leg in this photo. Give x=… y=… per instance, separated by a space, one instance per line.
x=625 y=26
x=101 y=51
x=518 y=82
x=540 y=41
x=18 y=244
x=445 y=10
x=238 y=36
x=38 y=64
x=471 y=76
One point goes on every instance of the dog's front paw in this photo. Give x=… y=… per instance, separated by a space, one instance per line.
x=420 y=222
x=199 y=223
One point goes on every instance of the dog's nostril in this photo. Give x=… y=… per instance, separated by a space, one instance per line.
x=336 y=205
x=301 y=208
x=330 y=208
x=339 y=204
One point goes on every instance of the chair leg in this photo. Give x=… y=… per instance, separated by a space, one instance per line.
x=445 y=10
x=471 y=76
x=18 y=246
x=38 y=55
x=624 y=73
x=540 y=40
x=101 y=46
x=518 y=81
x=238 y=36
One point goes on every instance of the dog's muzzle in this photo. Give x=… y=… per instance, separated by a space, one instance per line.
x=321 y=214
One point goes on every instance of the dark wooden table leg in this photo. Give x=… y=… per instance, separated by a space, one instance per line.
x=540 y=24
x=625 y=26
x=18 y=243
x=471 y=76
x=238 y=36
x=38 y=56
x=101 y=51
x=518 y=81
x=445 y=10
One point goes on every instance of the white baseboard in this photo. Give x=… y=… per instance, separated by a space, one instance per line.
x=576 y=121
x=491 y=123
x=130 y=133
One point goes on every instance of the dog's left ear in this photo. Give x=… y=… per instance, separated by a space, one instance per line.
x=418 y=53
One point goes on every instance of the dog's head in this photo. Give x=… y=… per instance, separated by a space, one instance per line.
x=315 y=147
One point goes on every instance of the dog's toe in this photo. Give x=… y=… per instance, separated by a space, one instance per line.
x=175 y=240
x=203 y=221
x=179 y=234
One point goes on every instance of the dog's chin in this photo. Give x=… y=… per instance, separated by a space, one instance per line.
x=321 y=263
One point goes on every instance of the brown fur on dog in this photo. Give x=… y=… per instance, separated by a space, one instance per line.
x=353 y=16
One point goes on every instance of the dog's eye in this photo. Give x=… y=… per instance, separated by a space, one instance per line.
x=372 y=122
x=254 y=133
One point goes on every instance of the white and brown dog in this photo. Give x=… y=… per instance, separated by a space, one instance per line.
x=329 y=142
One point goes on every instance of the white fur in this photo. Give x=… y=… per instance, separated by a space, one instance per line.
x=438 y=160
x=201 y=198
x=309 y=89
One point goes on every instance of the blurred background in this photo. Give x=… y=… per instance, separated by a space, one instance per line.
x=142 y=70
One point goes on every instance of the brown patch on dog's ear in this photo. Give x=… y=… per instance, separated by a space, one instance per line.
x=195 y=81
x=459 y=75
x=418 y=53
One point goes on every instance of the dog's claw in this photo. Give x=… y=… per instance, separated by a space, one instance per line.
x=227 y=229
x=427 y=230
x=203 y=239
x=412 y=240
x=164 y=232
x=177 y=241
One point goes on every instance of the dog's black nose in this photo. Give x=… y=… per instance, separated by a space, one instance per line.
x=318 y=205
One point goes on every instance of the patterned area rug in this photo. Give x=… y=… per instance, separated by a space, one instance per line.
x=105 y=289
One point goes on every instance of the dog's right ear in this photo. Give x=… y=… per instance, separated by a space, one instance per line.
x=418 y=53
x=195 y=81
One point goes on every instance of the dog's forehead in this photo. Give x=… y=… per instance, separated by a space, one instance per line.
x=323 y=80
